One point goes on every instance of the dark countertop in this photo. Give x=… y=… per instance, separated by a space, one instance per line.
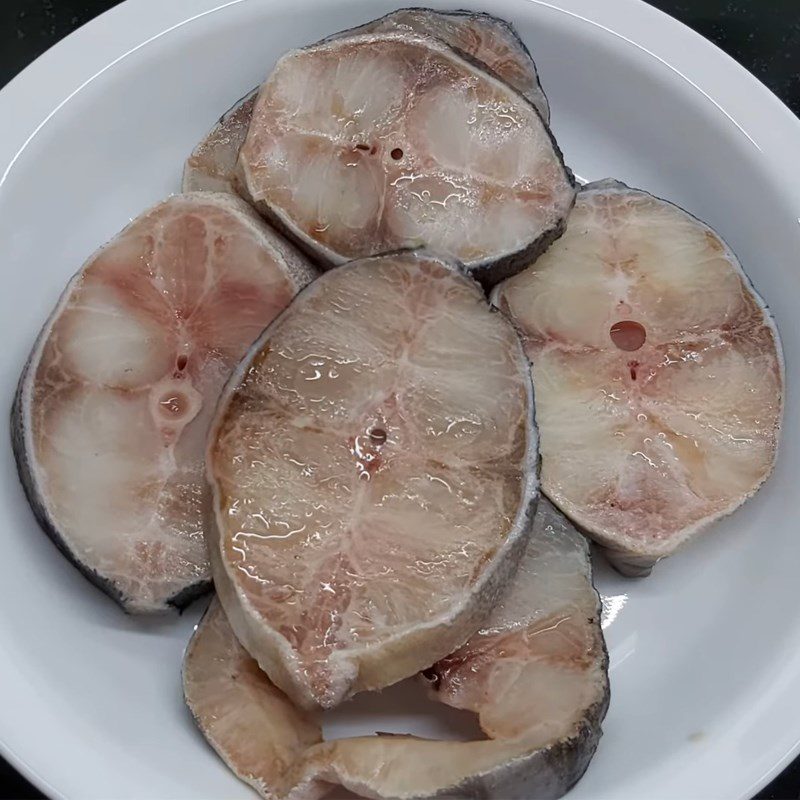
x=763 y=35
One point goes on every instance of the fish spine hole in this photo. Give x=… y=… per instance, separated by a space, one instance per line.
x=377 y=436
x=628 y=335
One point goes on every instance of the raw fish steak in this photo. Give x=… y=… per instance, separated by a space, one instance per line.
x=364 y=145
x=112 y=410
x=658 y=373
x=536 y=676
x=373 y=463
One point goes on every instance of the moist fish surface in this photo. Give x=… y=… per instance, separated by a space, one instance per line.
x=373 y=463
x=256 y=730
x=211 y=167
x=112 y=409
x=487 y=38
x=536 y=676
x=658 y=373
x=376 y=142
x=482 y=36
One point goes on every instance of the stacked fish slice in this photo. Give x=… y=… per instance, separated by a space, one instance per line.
x=289 y=379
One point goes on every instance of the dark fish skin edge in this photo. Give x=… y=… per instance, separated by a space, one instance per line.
x=489 y=274
x=235 y=107
x=178 y=601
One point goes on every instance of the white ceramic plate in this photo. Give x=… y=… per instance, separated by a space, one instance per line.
x=705 y=654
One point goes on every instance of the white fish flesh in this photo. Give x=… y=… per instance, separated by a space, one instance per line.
x=256 y=730
x=368 y=144
x=113 y=407
x=211 y=167
x=536 y=676
x=481 y=36
x=489 y=39
x=373 y=463
x=658 y=373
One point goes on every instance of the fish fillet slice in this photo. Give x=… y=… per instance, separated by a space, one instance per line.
x=493 y=41
x=536 y=675
x=113 y=407
x=254 y=727
x=373 y=464
x=658 y=373
x=367 y=144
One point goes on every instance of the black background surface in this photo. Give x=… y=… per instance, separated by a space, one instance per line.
x=763 y=35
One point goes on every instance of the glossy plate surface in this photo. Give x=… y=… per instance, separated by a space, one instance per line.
x=705 y=654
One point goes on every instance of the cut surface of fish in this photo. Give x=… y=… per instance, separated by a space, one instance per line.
x=256 y=730
x=373 y=466
x=658 y=373
x=536 y=675
x=493 y=41
x=376 y=142
x=489 y=39
x=113 y=407
x=212 y=164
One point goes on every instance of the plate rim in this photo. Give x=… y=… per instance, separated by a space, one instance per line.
x=38 y=91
